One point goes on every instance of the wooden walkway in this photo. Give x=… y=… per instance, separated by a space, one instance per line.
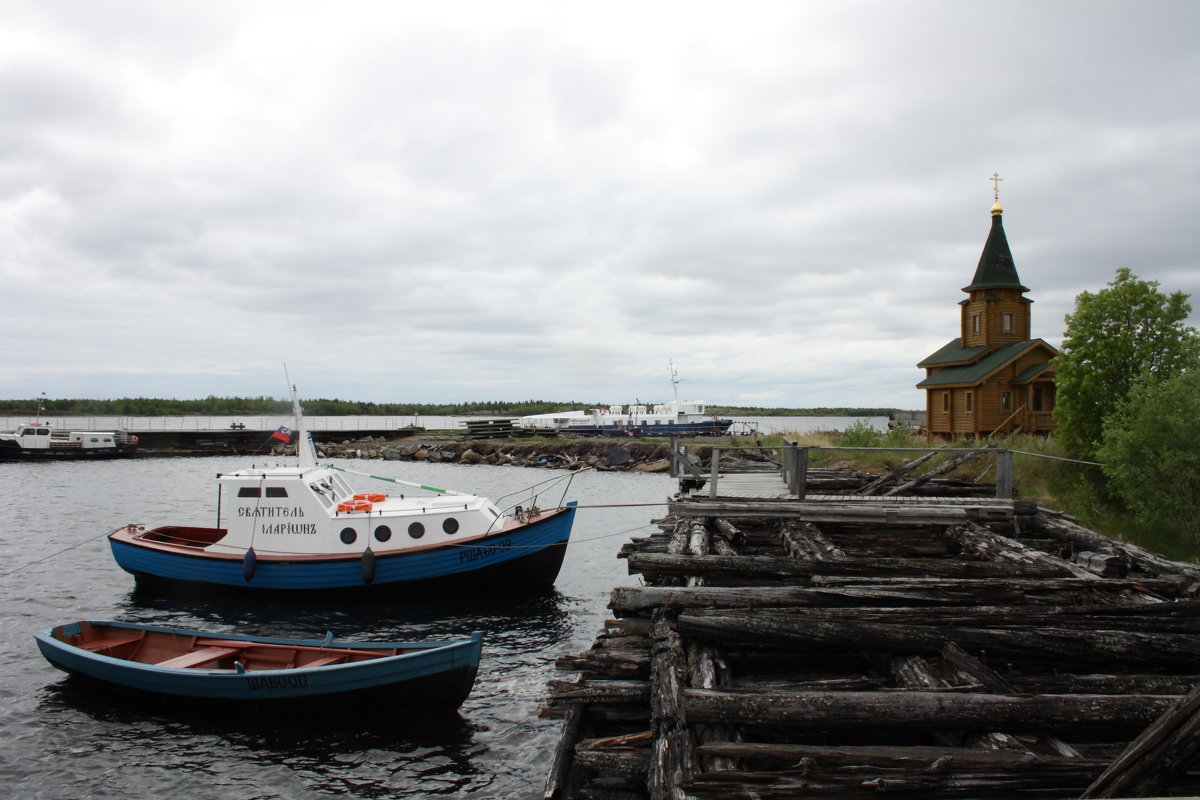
x=849 y=646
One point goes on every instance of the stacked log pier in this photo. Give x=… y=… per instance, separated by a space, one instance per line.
x=863 y=646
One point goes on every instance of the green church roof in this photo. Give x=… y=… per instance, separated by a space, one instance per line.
x=971 y=374
x=996 y=269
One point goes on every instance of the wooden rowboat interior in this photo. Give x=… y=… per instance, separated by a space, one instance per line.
x=180 y=650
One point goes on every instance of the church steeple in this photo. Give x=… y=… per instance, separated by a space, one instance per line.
x=996 y=312
x=996 y=269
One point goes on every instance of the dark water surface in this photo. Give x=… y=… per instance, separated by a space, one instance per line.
x=63 y=739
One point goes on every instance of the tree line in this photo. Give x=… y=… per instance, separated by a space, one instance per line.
x=323 y=407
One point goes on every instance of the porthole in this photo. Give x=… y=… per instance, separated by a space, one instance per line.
x=349 y=535
x=416 y=530
x=450 y=525
x=383 y=533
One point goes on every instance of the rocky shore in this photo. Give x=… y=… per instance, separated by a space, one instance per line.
x=597 y=454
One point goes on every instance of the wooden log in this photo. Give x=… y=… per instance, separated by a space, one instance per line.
x=699 y=538
x=1140 y=558
x=679 y=537
x=950 y=465
x=804 y=541
x=876 y=486
x=558 y=776
x=626 y=756
x=766 y=566
x=1155 y=759
x=976 y=670
x=1070 y=645
x=916 y=758
x=599 y=692
x=673 y=759
x=1129 y=683
x=923 y=711
x=707 y=670
x=1106 y=565
x=982 y=543
x=954 y=594
x=893 y=511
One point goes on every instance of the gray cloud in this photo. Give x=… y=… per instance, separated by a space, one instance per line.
x=550 y=200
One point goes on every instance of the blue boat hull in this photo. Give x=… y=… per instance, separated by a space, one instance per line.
x=437 y=675
x=526 y=559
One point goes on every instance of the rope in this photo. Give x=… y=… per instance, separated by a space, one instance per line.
x=52 y=555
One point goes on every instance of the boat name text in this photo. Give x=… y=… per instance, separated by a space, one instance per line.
x=487 y=551
x=278 y=682
x=270 y=511
x=307 y=528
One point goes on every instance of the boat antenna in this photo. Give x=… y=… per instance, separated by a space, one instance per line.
x=305 y=451
x=674 y=370
x=41 y=401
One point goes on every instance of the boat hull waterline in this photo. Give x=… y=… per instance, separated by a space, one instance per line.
x=524 y=557
x=427 y=674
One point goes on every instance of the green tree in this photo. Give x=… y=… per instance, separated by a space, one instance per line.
x=1114 y=338
x=1150 y=453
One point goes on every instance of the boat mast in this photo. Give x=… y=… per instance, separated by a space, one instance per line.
x=305 y=451
x=674 y=370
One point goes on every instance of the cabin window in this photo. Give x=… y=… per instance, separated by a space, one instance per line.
x=383 y=533
x=945 y=401
x=277 y=491
x=249 y=491
x=349 y=535
x=1006 y=401
x=1008 y=322
x=320 y=493
x=1037 y=398
x=416 y=530
x=450 y=525
x=975 y=323
x=970 y=400
x=42 y=431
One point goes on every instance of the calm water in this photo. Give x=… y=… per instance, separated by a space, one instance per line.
x=61 y=741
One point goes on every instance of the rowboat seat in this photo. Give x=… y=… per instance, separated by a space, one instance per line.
x=108 y=642
x=323 y=661
x=198 y=657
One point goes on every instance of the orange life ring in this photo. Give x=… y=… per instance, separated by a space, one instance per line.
x=354 y=505
x=374 y=498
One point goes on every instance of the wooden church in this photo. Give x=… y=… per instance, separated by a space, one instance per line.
x=992 y=379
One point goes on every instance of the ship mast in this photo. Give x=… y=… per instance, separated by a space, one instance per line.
x=674 y=370
x=305 y=451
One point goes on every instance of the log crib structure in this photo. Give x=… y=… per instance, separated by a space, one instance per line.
x=853 y=645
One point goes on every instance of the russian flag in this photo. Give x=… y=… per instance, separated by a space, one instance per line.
x=284 y=434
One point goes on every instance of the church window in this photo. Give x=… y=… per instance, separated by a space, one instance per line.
x=974 y=323
x=1008 y=321
x=945 y=401
x=970 y=401
x=1006 y=401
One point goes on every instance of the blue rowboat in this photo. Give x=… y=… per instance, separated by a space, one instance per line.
x=303 y=527
x=203 y=665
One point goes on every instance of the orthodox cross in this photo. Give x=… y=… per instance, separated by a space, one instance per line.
x=995 y=179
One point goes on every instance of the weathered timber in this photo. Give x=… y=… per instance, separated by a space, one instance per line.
x=558 y=776
x=1074 y=645
x=875 y=486
x=949 y=466
x=1084 y=539
x=982 y=543
x=915 y=757
x=672 y=756
x=1106 y=565
x=1156 y=758
x=804 y=540
x=671 y=564
x=900 y=593
x=864 y=510
x=923 y=710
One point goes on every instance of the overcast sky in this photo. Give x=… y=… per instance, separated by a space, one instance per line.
x=452 y=201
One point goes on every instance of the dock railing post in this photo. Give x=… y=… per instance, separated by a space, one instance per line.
x=674 y=440
x=1004 y=474
x=715 y=468
x=800 y=477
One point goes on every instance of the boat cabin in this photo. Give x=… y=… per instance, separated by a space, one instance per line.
x=33 y=436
